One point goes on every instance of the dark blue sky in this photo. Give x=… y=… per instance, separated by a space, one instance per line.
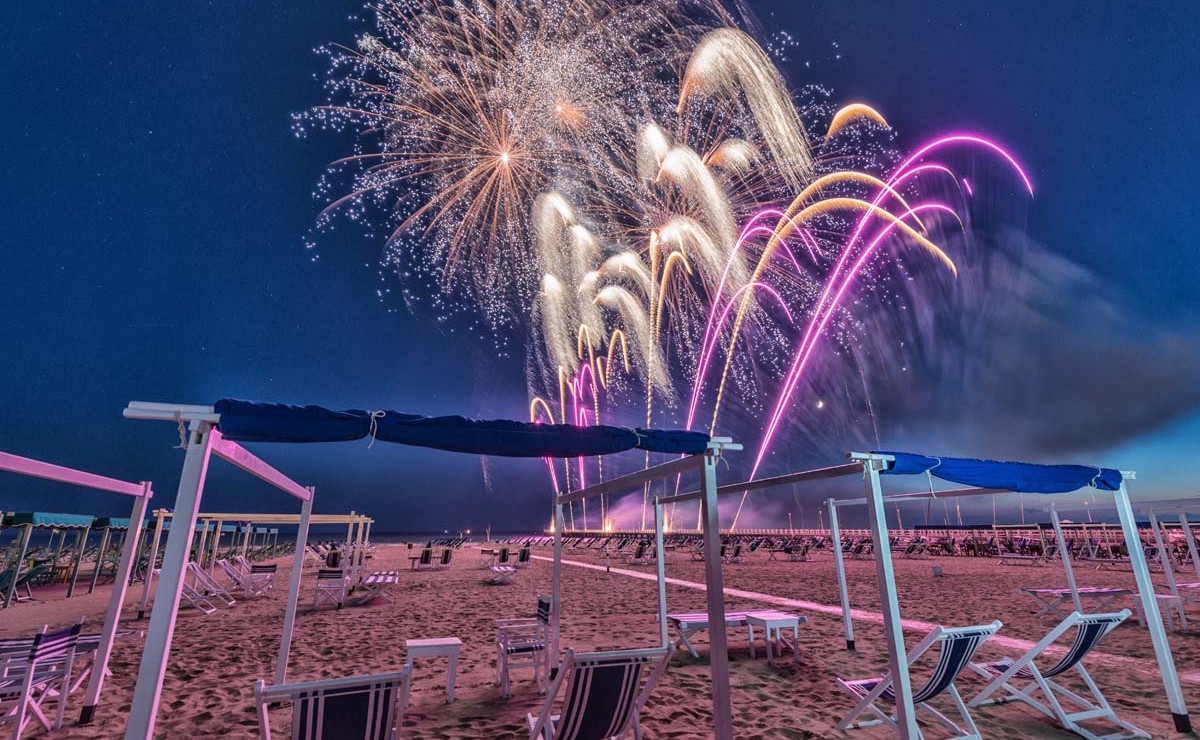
x=155 y=203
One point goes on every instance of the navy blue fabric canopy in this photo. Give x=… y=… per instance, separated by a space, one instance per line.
x=1012 y=476
x=252 y=421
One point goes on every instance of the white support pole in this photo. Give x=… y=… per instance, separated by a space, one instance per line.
x=108 y=632
x=1164 y=555
x=22 y=550
x=157 y=647
x=718 y=659
x=906 y=716
x=556 y=587
x=1158 y=634
x=1190 y=537
x=104 y=540
x=202 y=544
x=659 y=553
x=289 y=614
x=839 y=562
x=81 y=538
x=219 y=529
x=159 y=517
x=1065 y=554
x=360 y=548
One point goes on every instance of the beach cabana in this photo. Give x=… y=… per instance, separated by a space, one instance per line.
x=985 y=477
x=59 y=525
x=219 y=429
x=141 y=493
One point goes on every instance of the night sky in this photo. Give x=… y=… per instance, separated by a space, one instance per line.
x=156 y=203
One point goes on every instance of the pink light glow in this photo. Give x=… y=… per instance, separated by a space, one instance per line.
x=818 y=323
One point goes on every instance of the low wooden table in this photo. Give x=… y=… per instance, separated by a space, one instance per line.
x=444 y=647
x=773 y=624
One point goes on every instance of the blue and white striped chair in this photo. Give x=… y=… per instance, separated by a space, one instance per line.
x=351 y=708
x=32 y=678
x=958 y=646
x=604 y=695
x=524 y=642
x=1008 y=676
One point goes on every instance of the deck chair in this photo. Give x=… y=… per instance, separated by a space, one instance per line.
x=735 y=556
x=958 y=646
x=196 y=599
x=501 y=575
x=524 y=557
x=504 y=556
x=331 y=588
x=444 y=562
x=28 y=685
x=524 y=643
x=425 y=559
x=262 y=578
x=209 y=586
x=242 y=580
x=1007 y=675
x=351 y=708
x=604 y=695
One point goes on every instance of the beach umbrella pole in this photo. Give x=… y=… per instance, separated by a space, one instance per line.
x=556 y=586
x=662 y=575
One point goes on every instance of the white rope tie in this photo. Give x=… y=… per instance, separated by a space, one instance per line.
x=183 y=440
x=375 y=417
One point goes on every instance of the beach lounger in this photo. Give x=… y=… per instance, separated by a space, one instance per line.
x=331 y=588
x=605 y=694
x=1009 y=675
x=379 y=584
x=30 y=683
x=358 y=707
x=524 y=643
x=958 y=645
x=1052 y=600
x=208 y=586
x=195 y=599
x=501 y=575
x=689 y=623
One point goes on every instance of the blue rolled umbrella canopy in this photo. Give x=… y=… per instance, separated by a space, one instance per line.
x=253 y=421
x=1013 y=476
x=43 y=519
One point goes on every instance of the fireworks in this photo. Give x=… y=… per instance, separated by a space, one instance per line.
x=633 y=182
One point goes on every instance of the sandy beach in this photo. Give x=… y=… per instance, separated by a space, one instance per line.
x=215 y=659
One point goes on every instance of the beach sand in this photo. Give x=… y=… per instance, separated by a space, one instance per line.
x=215 y=659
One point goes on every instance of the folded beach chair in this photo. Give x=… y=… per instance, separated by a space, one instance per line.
x=43 y=675
x=1021 y=679
x=196 y=599
x=331 y=588
x=524 y=643
x=605 y=693
x=958 y=646
x=355 y=707
x=208 y=586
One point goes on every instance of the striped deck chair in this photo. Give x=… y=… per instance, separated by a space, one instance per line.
x=331 y=587
x=209 y=586
x=262 y=578
x=1008 y=674
x=523 y=557
x=604 y=695
x=351 y=708
x=958 y=646
x=524 y=643
x=28 y=684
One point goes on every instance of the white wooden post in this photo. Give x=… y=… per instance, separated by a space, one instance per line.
x=202 y=558
x=1164 y=555
x=1190 y=536
x=1158 y=634
x=219 y=529
x=289 y=614
x=157 y=648
x=906 y=719
x=104 y=540
x=108 y=632
x=839 y=561
x=556 y=585
x=718 y=659
x=659 y=556
x=1065 y=554
x=81 y=538
x=22 y=550
x=159 y=517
